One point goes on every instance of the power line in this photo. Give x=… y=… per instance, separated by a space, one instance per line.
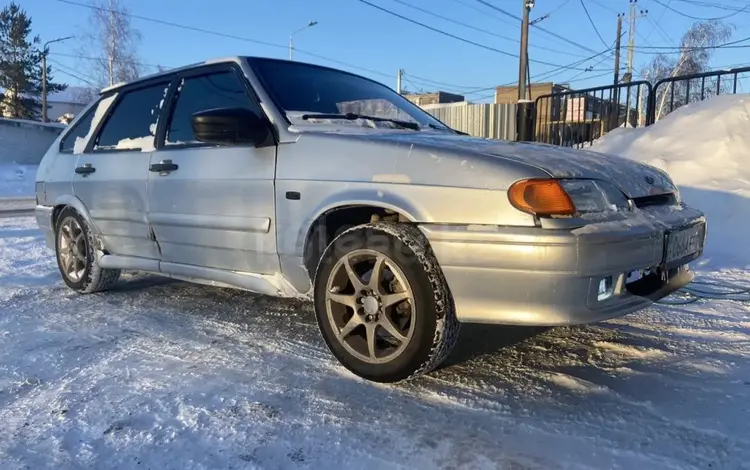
x=176 y=25
x=597 y=2
x=727 y=45
x=435 y=82
x=656 y=27
x=65 y=70
x=555 y=10
x=76 y=56
x=554 y=72
x=511 y=15
x=705 y=4
x=444 y=33
x=466 y=25
x=596 y=30
x=663 y=11
x=451 y=20
x=417 y=89
x=540 y=77
x=227 y=36
x=468 y=5
x=701 y=18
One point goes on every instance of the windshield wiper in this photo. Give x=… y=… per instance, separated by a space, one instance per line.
x=354 y=116
x=445 y=128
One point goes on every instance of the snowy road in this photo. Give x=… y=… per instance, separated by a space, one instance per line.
x=163 y=374
x=17 y=206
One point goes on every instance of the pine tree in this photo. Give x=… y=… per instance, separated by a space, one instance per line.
x=21 y=66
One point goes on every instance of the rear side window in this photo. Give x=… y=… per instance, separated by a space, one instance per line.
x=213 y=90
x=79 y=131
x=132 y=124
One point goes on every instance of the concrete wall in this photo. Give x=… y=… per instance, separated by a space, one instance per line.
x=26 y=142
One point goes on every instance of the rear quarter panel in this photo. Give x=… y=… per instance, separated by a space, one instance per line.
x=56 y=168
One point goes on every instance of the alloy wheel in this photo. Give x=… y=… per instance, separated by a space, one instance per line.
x=370 y=306
x=72 y=249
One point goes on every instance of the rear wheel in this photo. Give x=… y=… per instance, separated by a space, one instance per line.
x=76 y=258
x=382 y=303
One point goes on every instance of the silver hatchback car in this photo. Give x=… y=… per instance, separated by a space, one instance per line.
x=296 y=180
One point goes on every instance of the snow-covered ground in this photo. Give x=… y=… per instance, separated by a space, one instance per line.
x=705 y=147
x=164 y=374
x=17 y=180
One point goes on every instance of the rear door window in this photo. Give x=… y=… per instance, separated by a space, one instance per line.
x=132 y=124
x=79 y=130
x=198 y=93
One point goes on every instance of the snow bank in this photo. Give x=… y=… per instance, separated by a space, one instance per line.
x=705 y=147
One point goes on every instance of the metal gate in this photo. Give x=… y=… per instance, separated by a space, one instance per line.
x=575 y=118
x=674 y=92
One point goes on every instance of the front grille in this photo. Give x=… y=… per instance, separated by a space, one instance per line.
x=666 y=199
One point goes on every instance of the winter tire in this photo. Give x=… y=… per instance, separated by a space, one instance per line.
x=76 y=259
x=382 y=303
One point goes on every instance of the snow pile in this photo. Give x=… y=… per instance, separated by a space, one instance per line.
x=17 y=180
x=705 y=147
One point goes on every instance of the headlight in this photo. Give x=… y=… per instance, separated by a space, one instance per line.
x=549 y=197
x=594 y=196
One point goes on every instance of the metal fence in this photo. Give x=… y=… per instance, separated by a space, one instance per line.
x=576 y=117
x=493 y=121
x=671 y=93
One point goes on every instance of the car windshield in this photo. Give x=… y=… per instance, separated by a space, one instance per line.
x=304 y=90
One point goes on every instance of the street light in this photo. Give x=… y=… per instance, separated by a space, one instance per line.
x=291 y=43
x=44 y=74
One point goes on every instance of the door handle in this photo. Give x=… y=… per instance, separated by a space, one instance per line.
x=165 y=166
x=86 y=169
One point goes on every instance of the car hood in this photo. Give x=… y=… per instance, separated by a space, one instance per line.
x=633 y=178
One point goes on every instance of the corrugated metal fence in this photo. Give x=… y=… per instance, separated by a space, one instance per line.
x=493 y=121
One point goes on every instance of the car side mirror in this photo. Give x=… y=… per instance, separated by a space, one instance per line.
x=229 y=126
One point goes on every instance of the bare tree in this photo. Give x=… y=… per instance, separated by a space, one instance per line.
x=114 y=41
x=696 y=49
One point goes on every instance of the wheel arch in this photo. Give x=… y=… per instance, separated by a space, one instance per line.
x=331 y=220
x=76 y=204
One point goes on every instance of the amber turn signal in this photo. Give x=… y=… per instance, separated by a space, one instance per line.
x=543 y=197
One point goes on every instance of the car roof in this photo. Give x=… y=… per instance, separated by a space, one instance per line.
x=218 y=60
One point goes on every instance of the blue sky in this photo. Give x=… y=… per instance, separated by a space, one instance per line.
x=352 y=32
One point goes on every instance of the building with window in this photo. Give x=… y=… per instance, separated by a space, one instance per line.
x=439 y=97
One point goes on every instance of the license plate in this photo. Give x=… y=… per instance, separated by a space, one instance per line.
x=683 y=243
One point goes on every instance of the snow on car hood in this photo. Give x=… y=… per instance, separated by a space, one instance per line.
x=633 y=178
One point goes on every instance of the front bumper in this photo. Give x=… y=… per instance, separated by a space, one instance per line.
x=545 y=277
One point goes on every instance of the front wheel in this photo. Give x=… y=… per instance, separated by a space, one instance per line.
x=382 y=303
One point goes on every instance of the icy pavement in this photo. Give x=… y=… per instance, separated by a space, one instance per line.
x=17 y=206
x=162 y=374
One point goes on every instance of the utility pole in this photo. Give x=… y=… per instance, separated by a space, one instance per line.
x=523 y=56
x=634 y=16
x=525 y=107
x=398 y=80
x=45 y=51
x=44 y=86
x=617 y=49
x=614 y=120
